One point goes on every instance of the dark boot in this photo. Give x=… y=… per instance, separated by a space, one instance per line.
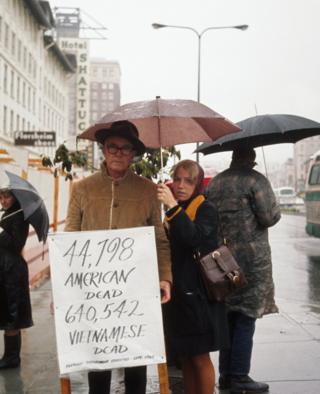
x=224 y=382
x=243 y=384
x=11 y=357
x=99 y=382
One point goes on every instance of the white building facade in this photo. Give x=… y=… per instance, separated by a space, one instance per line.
x=33 y=72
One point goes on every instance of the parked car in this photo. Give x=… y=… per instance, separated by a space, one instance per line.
x=287 y=198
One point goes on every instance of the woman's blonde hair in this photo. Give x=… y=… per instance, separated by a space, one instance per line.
x=191 y=166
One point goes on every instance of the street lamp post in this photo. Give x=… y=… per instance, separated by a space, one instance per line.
x=199 y=35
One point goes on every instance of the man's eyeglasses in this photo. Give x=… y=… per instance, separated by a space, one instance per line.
x=125 y=150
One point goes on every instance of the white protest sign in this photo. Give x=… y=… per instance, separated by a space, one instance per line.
x=106 y=299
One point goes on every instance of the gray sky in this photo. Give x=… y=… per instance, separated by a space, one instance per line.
x=273 y=66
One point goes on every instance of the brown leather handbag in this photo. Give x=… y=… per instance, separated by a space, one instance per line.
x=221 y=274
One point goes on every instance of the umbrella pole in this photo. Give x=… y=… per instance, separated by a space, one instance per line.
x=161 y=163
x=161 y=181
x=265 y=163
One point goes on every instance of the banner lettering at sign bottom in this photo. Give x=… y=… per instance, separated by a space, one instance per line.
x=106 y=299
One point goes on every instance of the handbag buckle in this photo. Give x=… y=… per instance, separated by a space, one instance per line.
x=236 y=278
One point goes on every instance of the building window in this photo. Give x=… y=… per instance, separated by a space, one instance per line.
x=18 y=123
x=44 y=115
x=24 y=57
x=39 y=109
x=12 y=84
x=40 y=78
x=23 y=124
x=111 y=86
x=5 y=79
x=0 y=28
x=11 y=122
x=94 y=116
x=29 y=98
x=110 y=95
x=5 y=110
x=18 y=89
x=6 y=35
x=24 y=94
x=94 y=71
x=13 y=44
x=34 y=102
x=19 y=50
x=30 y=64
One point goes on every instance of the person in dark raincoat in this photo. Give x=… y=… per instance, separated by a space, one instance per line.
x=246 y=207
x=15 y=306
x=194 y=326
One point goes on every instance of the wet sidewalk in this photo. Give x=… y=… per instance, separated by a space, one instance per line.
x=286 y=353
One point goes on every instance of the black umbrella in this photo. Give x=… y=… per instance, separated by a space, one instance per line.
x=32 y=205
x=264 y=130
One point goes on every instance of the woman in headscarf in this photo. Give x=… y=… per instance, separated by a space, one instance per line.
x=15 y=306
x=194 y=326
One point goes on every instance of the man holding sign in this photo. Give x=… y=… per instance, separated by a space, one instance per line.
x=116 y=198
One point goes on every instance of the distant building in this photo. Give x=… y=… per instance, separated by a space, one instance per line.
x=302 y=152
x=105 y=78
x=95 y=88
x=33 y=72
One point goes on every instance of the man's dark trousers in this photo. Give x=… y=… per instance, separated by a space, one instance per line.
x=236 y=360
x=135 y=380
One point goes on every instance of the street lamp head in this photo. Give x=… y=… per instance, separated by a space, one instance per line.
x=158 y=25
x=241 y=27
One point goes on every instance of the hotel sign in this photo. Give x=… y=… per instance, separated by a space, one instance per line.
x=80 y=47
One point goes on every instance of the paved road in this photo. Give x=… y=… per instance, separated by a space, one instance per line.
x=287 y=345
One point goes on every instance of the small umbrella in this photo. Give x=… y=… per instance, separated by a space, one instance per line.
x=32 y=205
x=168 y=122
x=264 y=130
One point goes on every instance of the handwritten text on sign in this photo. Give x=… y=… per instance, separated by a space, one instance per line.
x=106 y=299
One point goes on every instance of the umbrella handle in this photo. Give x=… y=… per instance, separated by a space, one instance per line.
x=12 y=214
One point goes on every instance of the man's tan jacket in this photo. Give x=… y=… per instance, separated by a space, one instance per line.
x=98 y=203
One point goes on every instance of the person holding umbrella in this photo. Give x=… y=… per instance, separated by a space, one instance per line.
x=114 y=198
x=194 y=325
x=246 y=207
x=15 y=306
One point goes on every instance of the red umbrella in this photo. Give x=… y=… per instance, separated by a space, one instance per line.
x=168 y=122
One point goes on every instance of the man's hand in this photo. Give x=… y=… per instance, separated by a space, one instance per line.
x=165 y=288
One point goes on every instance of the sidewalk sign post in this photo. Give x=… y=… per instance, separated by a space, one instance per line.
x=162 y=373
x=163 y=378
x=65 y=386
x=56 y=203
